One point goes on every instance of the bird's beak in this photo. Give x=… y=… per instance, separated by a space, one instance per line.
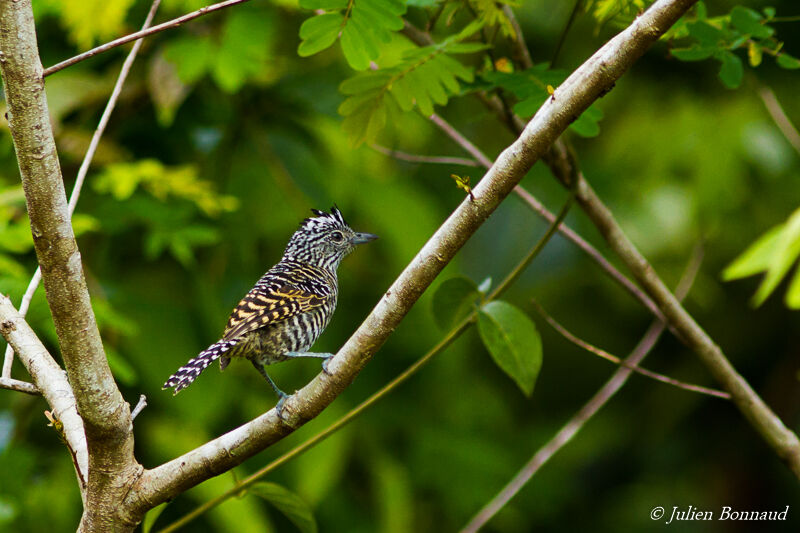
x=361 y=238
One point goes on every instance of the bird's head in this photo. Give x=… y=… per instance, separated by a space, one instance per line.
x=324 y=240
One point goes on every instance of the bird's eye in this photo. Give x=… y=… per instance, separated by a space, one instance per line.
x=337 y=236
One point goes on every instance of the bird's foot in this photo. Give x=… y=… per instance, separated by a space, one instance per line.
x=282 y=396
x=325 y=365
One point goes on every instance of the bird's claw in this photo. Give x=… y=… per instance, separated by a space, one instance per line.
x=279 y=406
x=325 y=365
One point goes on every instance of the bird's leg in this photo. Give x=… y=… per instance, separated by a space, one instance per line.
x=319 y=355
x=281 y=395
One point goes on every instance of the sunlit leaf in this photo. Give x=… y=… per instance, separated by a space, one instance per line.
x=513 y=342
x=786 y=252
x=756 y=258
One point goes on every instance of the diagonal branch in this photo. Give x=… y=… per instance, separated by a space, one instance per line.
x=83 y=170
x=50 y=380
x=174 y=23
x=106 y=416
x=593 y=79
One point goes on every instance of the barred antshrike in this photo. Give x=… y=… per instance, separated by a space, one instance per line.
x=282 y=316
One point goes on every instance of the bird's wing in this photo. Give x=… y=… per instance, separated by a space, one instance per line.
x=259 y=308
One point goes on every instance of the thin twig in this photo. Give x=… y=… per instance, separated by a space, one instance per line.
x=616 y=360
x=19 y=386
x=414 y=158
x=139 y=406
x=576 y=423
x=83 y=170
x=779 y=116
x=142 y=33
x=448 y=339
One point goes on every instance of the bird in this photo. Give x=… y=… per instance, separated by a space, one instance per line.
x=288 y=307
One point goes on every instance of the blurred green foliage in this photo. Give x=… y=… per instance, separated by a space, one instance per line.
x=224 y=138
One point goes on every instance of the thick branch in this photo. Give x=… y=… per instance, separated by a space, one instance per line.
x=49 y=378
x=593 y=79
x=105 y=414
x=783 y=441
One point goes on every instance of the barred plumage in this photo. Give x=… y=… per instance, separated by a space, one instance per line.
x=289 y=307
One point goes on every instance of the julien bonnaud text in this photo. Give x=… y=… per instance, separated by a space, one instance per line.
x=726 y=513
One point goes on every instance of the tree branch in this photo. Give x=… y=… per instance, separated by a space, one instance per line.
x=593 y=79
x=783 y=441
x=174 y=23
x=106 y=416
x=50 y=380
x=591 y=408
x=19 y=386
x=83 y=170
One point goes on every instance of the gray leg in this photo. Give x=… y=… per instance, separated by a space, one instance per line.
x=281 y=395
x=319 y=355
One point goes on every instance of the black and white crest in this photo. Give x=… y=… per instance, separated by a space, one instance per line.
x=324 y=240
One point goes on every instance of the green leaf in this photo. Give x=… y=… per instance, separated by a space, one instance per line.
x=750 y=21
x=425 y=77
x=693 y=53
x=288 y=503
x=706 y=34
x=787 y=251
x=453 y=301
x=319 y=33
x=365 y=82
x=788 y=62
x=362 y=28
x=731 y=71
x=513 y=342
x=756 y=258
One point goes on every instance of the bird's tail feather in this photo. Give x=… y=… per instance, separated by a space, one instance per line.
x=186 y=374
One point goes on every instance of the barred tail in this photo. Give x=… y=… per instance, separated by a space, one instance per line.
x=189 y=372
